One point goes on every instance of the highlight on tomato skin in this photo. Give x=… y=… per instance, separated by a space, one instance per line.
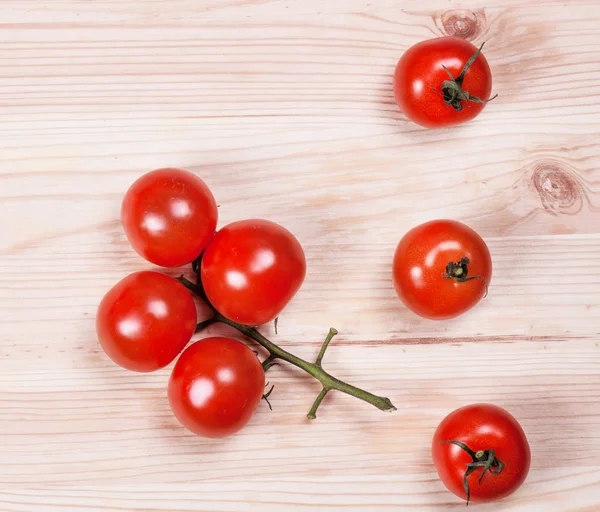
x=436 y=85
x=251 y=270
x=481 y=453
x=441 y=269
x=145 y=320
x=169 y=216
x=216 y=386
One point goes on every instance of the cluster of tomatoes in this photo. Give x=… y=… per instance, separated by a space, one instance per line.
x=248 y=271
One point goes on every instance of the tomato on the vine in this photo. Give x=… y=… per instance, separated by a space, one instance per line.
x=442 y=82
x=145 y=321
x=215 y=387
x=169 y=216
x=251 y=270
x=481 y=453
x=441 y=269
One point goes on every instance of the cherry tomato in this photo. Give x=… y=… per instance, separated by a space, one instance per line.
x=437 y=84
x=251 y=270
x=215 y=387
x=169 y=216
x=145 y=320
x=441 y=269
x=492 y=440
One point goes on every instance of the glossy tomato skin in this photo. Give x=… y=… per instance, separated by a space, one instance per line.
x=169 y=216
x=145 y=321
x=251 y=270
x=481 y=427
x=215 y=387
x=420 y=68
x=420 y=263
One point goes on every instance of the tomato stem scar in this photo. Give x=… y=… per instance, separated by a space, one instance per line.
x=459 y=272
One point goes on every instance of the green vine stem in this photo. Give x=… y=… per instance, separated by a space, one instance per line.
x=328 y=381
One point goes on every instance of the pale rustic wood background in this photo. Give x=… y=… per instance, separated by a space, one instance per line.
x=285 y=108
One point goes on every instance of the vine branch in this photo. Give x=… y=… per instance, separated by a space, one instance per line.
x=330 y=335
x=328 y=381
x=312 y=414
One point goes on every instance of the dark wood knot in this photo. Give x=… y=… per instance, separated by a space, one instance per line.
x=559 y=188
x=463 y=23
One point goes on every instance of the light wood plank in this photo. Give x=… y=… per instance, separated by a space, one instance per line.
x=285 y=108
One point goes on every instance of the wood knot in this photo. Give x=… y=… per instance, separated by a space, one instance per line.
x=559 y=188
x=462 y=23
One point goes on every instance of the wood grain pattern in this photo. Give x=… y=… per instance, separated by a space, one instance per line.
x=285 y=108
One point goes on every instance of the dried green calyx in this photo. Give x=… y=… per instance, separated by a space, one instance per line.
x=459 y=272
x=485 y=459
x=452 y=90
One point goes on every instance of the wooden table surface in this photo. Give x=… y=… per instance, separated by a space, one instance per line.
x=285 y=109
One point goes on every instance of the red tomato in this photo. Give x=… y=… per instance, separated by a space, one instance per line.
x=216 y=386
x=441 y=269
x=169 y=216
x=145 y=320
x=492 y=440
x=434 y=97
x=251 y=270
